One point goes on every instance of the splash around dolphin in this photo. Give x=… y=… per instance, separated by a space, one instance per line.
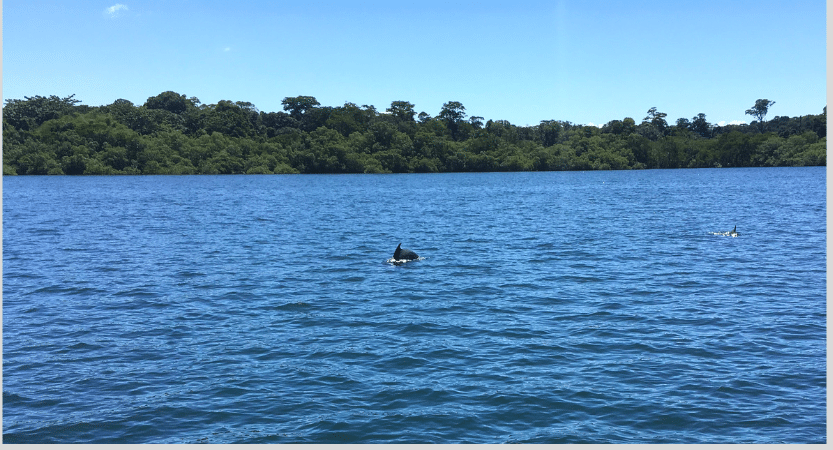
x=403 y=255
x=733 y=233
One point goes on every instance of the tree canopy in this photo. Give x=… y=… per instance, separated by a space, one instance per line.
x=760 y=110
x=174 y=134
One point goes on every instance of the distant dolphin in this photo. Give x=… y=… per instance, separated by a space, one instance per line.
x=403 y=253
x=733 y=233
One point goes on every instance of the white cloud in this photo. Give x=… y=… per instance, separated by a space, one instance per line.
x=115 y=10
x=227 y=49
x=723 y=123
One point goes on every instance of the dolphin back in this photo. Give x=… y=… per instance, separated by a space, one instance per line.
x=403 y=253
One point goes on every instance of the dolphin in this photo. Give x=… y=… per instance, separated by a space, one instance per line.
x=403 y=253
x=733 y=233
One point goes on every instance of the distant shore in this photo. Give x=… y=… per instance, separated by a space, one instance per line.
x=172 y=134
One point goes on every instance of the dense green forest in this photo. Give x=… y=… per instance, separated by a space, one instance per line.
x=172 y=134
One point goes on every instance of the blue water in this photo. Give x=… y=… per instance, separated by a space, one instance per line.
x=563 y=307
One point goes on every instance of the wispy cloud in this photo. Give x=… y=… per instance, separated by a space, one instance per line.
x=115 y=10
x=723 y=123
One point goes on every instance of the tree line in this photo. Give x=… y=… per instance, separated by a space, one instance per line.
x=173 y=134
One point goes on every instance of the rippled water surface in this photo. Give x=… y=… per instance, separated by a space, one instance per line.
x=593 y=307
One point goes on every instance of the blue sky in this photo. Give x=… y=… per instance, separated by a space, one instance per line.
x=587 y=61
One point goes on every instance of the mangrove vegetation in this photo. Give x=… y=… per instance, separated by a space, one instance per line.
x=173 y=134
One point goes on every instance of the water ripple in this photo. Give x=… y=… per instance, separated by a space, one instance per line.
x=548 y=308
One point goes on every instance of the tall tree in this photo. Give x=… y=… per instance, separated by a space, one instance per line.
x=549 y=132
x=453 y=114
x=232 y=119
x=297 y=106
x=657 y=119
x=654 y=126
x=169 y=101
x=402 y=110
x=700 y=126
x=683 y=123
x=759 y=111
